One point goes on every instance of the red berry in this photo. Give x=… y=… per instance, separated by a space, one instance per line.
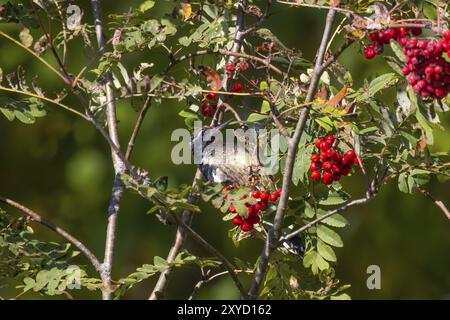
x=211 y=96
x=314 y=166
x=406 y=71
x=247 y=227
x=416 y=31
x=327 y=178
x=238 y=220
x=315 y=175
x=345 y=171
x=374 y=36
x=331 y=153
x=273 y=197
x=253 y=219
x=232 y=208
x=315 y=157
x=324 y=146
x=326 y=165
x=243 y=66
x=279 y=191
x=330 y=139
x=318 y=143
x=350 y=153
x=370 y=53
x=335 y=168
x=257 y=207
x=256 y=194
x=264 y=196
x=230 y=67
x=237 y=87
x=250 y=210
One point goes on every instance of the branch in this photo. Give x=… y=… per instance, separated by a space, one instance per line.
x=230 y=268
x=329 y=214
x=272 y=240
x=119 y=165
x=438 y=203
x=204 y=280
x=36 y=217
x=137 y=126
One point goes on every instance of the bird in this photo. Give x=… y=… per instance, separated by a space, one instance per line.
x=240 y=166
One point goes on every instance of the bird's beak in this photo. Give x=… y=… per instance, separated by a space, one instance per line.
x=223 y=125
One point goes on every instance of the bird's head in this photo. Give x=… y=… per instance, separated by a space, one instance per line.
x=206 y=135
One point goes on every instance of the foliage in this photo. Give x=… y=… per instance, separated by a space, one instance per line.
x=201 y=41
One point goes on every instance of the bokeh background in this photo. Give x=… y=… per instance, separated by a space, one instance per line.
x=61 y=167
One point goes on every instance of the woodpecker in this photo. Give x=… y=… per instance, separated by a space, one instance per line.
x=240 y=167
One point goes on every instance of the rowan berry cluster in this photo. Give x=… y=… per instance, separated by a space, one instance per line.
x=328 y=164
x=379 y=39
x=258 y=200
x=427 y=71
x=209 y=105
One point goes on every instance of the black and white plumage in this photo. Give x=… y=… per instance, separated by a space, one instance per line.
x=217 y=166
x=295 y=245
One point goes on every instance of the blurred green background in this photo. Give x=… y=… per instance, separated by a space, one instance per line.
x=61 y=168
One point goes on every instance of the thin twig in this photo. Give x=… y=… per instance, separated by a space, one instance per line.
x=137 y=126
x=59 y=104
x=438 y=203
x=37 y=218
x=230 y=268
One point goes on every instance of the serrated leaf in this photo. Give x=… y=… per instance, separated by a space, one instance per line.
x=336 y=220
x=329 y=236
x=326 y=251
x=334 y=198
x=380 y=83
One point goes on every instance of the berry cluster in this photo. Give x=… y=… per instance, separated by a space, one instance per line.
x=329 y=165
x=379 y=39
x=209 y=105
x=426 y=69
x=255 y=206
x=232 y=67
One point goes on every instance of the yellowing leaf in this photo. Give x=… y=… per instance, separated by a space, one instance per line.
x=186 y=10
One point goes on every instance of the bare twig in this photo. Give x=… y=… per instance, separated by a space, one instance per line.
x=325 y=216
x=37 y=218
x=272 y=239
x=137 y=126
x=206 y=280
x=227 y=264
x=438 y=203
x=119 y=165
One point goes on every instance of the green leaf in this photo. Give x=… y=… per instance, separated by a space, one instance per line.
x=329 y=236
x=255 y=117
x=380 y=82
x=326 y=251
x=302 y=163
x=406 y=183
x=336 y=220
x=398 y=50
x=146 y=5
x=25 y=110
x=334 y=198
